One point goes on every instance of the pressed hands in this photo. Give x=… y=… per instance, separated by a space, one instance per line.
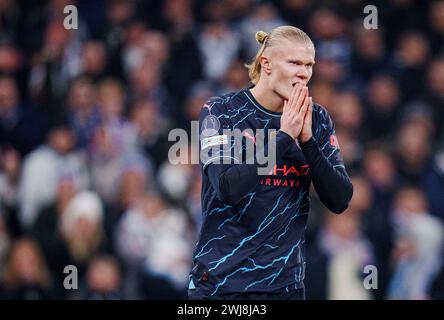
x=296 y=117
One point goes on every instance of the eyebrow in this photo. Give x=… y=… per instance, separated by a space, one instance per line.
x=312 y=62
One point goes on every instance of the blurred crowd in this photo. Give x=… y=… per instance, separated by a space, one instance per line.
x=85 y=115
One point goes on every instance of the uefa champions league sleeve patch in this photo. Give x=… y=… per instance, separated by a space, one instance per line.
x=210 y=125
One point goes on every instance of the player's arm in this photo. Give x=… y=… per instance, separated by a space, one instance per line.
x=232 y=182
x=328 y=173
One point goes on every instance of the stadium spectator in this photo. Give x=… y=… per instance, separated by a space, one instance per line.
x=417 y=252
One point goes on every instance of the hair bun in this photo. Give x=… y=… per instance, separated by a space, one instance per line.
x=261 y=36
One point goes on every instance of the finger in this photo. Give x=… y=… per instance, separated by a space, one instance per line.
x=310 y=110
x=288 y=111
x=285 y=110
x=304 y=107
x=300 y=100
x=295 y=107
x=308 y=115
x=306 y=100
x=295 y=92
x=299 y=112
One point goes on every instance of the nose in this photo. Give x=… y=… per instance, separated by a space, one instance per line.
x=302 y=73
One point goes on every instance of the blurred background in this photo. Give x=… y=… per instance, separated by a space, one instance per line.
x=84 y=119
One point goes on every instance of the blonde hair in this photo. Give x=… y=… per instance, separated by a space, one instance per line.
x=271 y=39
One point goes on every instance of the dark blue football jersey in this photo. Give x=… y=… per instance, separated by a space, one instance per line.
x=256 y=245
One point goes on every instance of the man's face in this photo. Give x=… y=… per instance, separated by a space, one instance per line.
x=289 y=63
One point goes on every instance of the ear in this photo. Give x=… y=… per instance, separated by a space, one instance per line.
x=265 y=64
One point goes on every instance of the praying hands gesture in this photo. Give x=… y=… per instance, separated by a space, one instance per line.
x=296 y=117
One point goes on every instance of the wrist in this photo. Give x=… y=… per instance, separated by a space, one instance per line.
x=285 y=133
x=307 y=143
x=306 y=139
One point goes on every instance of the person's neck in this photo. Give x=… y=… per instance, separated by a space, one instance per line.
x=267 y=98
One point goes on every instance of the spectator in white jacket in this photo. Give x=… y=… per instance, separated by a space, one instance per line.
x=42 y=169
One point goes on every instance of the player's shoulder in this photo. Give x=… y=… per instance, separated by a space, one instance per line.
x=320 y=113
x=319 y=109
x=220 y=104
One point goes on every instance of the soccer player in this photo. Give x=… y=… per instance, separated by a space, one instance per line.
x=251 y=244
